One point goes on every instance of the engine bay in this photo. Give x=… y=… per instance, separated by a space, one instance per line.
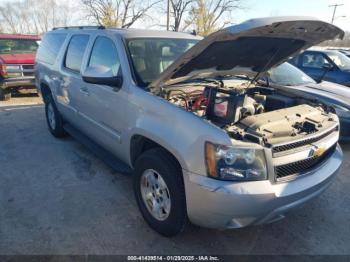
x=257 y=114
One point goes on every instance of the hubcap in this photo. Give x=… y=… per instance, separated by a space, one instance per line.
x=51 y=116
x=155 y=194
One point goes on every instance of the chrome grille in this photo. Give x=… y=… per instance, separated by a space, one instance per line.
x=289 y=170
x=286 y=147
x=23 y=70
x=28 y=67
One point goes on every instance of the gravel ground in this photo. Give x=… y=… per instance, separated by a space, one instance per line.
x=58 y=198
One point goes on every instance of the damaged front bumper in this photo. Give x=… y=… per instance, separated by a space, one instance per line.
x=223 y=204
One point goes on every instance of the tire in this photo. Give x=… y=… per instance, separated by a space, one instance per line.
x=158 y=162
x=53 y=118
x=4 y=95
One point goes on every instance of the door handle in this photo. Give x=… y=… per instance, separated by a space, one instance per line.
x=84 y=90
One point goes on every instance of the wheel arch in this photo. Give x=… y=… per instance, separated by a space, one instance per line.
x=45 y=90
x=140 y=143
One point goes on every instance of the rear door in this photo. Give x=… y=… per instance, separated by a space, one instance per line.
x=104 y=108
x=70 y=78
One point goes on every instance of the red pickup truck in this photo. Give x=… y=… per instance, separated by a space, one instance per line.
x=17 y=59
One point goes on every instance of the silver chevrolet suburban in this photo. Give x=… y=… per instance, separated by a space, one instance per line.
x=187 y=116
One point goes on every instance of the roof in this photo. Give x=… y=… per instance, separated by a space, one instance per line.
x=325 y=51
x=130 y=32
x=140 y=33
x=19 y=36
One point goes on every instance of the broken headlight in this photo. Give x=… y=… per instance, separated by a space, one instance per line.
x=235 y=163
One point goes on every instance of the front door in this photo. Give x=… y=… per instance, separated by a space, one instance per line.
x=104 y=108
x=314 y=64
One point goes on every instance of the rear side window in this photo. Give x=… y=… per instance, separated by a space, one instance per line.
x=75 y=52
x=104 y=53
x=50 y=47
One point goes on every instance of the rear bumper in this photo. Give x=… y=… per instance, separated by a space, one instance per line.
x=26 y=82
x=222 y=204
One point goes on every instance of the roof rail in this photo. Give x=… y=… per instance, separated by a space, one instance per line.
x=81 y=27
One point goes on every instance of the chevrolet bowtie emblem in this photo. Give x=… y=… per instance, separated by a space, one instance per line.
x=316 y=151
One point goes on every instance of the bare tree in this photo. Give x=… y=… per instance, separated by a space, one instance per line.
x=34 y=16
x=178 y=9
x=118 y=13
x=9 y=17
x=207 y=15
x=338 y=43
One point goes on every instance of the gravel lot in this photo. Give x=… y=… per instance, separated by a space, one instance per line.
x=58 y=198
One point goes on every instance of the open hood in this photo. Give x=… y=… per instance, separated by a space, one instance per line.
x=249 y=48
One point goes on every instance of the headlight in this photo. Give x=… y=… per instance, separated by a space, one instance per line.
x=235 y=163
x=13 y=70
x=13 y=67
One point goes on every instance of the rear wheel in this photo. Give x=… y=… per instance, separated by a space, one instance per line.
x=159 y=192
x=5 y=94
x=53 y=118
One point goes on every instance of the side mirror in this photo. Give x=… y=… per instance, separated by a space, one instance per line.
x=102 y=75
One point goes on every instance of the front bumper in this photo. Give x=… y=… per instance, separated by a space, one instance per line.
x=223 y=204
x=15 y=82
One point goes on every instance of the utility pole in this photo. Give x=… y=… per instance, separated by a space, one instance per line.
x=168 y=16
x=334 y=10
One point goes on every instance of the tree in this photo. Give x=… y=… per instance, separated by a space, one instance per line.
x=34 y=16
x=345 y=42
x=207 y=16
x=178 y=9
x=118 y=13
x=9 y=17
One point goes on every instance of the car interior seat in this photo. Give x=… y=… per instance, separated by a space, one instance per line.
x=168 y=56
x=138 y=58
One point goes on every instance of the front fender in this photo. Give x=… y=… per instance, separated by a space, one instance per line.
x=180 y=132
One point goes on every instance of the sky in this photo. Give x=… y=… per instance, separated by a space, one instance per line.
x=262 y=8
x=315 y=8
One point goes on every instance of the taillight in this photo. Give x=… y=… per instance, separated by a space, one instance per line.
x=3 y=70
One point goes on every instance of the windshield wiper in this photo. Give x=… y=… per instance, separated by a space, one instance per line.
x=201 y=81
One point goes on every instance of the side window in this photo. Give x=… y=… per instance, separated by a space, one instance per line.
x=50 y=47
x=75 y=52
x=104 y=54
x=315 y=60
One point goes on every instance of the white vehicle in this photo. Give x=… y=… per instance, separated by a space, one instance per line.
x=204 y=143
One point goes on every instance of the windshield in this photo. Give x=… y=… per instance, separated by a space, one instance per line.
x=341 y=60
x=151 y=56
x=288 y=75
x=17 y=46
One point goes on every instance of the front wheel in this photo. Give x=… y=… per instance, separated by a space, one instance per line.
x=53 y=118
x=159 y=192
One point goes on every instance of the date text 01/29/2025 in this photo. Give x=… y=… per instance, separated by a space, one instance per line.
x=173 y=258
